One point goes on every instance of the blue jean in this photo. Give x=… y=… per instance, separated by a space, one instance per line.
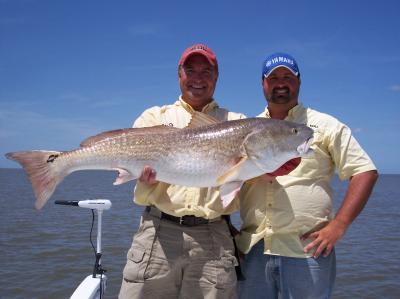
x=270 y=276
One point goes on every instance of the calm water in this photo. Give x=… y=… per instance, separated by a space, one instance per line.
x=45 y=254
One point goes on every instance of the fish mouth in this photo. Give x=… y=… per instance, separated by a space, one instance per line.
x=304 y=148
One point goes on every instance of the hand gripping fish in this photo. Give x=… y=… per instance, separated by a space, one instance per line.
x=206 y=153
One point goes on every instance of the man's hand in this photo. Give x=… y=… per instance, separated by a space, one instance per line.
x=325 y=239
x=283 y=170
x=148 y=176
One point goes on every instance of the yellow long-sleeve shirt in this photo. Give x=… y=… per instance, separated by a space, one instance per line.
x=281 y=211
x=180 y=200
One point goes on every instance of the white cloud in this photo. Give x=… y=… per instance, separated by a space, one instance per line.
x=73 y=97
x=90 y=102
x=395 y=87
x=21 y=126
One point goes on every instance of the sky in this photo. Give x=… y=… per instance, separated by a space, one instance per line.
x=70 y=69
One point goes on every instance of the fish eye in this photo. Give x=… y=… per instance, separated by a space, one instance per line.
x=295 y=131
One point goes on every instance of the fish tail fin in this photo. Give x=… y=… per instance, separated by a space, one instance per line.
x=42 y=171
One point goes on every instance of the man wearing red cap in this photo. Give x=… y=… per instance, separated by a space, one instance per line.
x=183 y=248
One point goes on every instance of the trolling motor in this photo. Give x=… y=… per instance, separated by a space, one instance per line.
x=94 y=285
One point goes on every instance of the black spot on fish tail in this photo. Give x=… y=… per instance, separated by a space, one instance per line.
x=52 y=158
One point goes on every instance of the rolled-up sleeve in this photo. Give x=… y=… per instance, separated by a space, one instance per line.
x=348 y=156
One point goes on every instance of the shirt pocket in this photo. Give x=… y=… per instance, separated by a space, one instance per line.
x=137 y=263
x=318 y=163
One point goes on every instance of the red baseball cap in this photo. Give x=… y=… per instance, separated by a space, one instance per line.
x=202 y=50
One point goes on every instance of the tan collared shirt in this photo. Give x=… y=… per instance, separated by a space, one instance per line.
x=281 y=211
x=180 y=200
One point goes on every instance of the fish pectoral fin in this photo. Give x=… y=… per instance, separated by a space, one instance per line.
x=232 y=172
x=123 y=176
x=228 y=192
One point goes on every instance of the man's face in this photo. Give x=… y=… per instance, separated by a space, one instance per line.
x=197 y=80
x=281 y=87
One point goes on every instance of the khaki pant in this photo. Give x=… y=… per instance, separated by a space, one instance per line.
x=168 y=260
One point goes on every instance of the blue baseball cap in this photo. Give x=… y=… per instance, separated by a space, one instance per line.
x=277 y=60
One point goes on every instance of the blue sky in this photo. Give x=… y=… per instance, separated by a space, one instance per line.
x=71 y=69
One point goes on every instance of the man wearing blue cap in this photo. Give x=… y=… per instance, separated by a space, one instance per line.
x=289 y=228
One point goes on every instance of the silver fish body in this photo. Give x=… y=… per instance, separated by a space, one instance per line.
x=215 y=154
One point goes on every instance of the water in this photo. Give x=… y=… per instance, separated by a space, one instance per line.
x=47 y=253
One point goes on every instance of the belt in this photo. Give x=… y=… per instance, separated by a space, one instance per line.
x=187 y=220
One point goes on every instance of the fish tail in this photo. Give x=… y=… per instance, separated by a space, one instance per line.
x=42 y=171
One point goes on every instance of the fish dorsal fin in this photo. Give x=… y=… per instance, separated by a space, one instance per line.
x=200 y=119
x=105 y=135
x=116 y=133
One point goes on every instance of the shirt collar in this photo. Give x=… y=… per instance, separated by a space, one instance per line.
x=206 y=109
x=292 y=114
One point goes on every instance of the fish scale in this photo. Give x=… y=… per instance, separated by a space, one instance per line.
x=207 y=153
